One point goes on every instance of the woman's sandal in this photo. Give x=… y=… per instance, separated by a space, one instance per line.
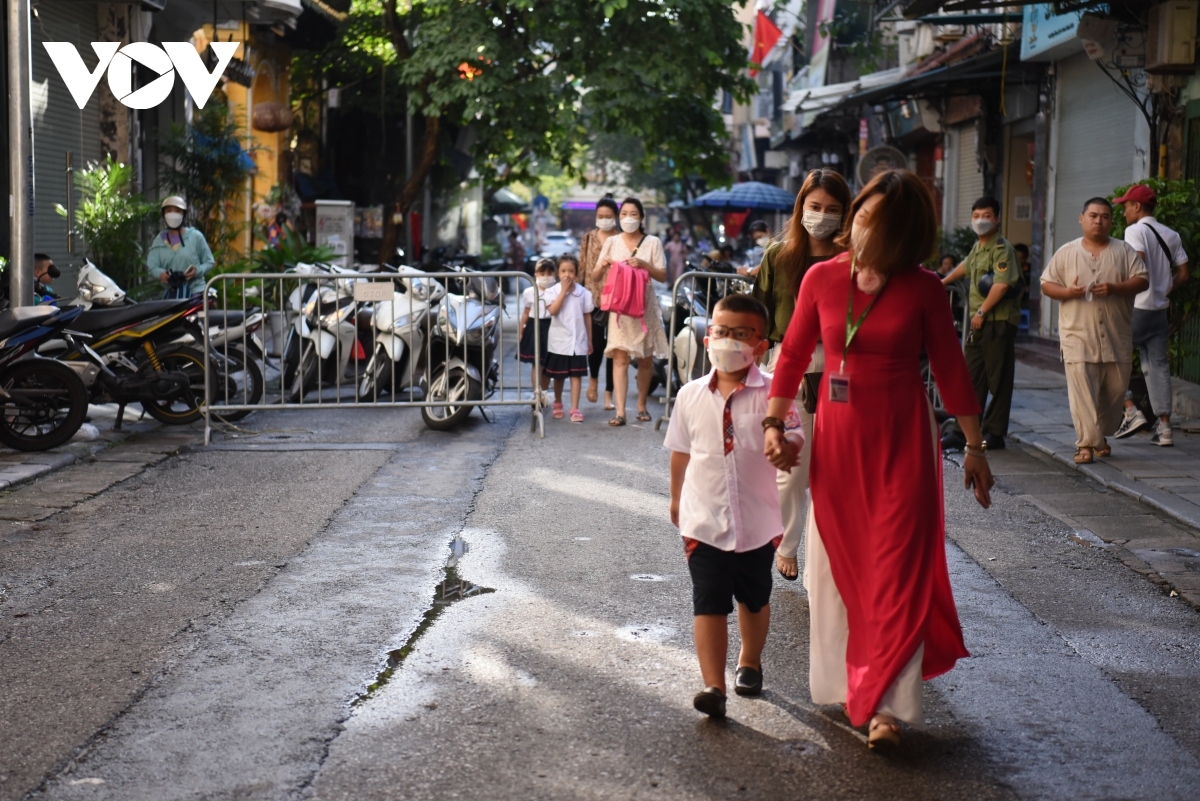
x=576 y=416
x=609 y=406
x=795 y=566
x=883 y=735
x=643 y=416
x=1084 y=456
x=1104 y=452
x=617 y=421
x=558 y=411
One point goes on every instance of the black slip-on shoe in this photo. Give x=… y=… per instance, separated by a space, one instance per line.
x=994 y=442
x=711 y=702
x=749 y=681
x=954 y=442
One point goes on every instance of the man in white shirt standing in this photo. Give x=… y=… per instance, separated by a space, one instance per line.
x=1162 y=251
x=1095 y=278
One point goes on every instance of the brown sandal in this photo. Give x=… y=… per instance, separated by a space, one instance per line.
x=883 y=735
x=643 y=416
x=1084 y=455
x=616 y=422
x=1104 y=452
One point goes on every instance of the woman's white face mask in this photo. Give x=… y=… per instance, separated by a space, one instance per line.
x=174 y=219
x=631 y=224
x=606 y=223
x=819 y=225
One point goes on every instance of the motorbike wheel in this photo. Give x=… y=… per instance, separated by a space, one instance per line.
x=300 y=381
x=240 y=383
x=450 y=386
x=377 y=379
x=185 y=408
x=47 y=405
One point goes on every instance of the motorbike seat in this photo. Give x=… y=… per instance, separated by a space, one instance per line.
x=229 y=319
x=96 y=320
x=14 y=320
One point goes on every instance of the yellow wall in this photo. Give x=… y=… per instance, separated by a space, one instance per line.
x=271 y=65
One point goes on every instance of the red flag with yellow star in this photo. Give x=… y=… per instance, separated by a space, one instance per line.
x=765 y=37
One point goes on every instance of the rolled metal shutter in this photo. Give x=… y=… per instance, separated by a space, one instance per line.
x=60 y=126
x=970 y=176
x=1095 y=142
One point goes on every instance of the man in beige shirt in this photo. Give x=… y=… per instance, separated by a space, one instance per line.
x=1095 y=279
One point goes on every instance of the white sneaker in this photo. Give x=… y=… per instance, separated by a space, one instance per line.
x=1133 y=422
x=1162 y=435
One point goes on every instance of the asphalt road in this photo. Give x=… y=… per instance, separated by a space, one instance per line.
x=220 y=627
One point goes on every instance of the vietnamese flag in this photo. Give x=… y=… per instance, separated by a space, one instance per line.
x=765 y=37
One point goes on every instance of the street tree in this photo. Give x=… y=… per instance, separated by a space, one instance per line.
x=518 y=83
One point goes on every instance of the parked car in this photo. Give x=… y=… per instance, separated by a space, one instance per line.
x=557 y=243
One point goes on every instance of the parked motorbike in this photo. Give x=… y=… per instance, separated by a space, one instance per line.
x=693 y=311
x=133 y=358
x=42 y=402
x=324 y=335
x=397 y=360
x=462 y=353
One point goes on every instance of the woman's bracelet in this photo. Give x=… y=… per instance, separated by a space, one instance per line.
x=774 y=422
x=979 y=452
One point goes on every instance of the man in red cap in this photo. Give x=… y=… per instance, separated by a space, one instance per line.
x=1167 y=267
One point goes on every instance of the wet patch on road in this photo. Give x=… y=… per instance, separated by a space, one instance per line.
x=452 y=588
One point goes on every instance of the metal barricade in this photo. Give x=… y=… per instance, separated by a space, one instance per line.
x=395 y=338
x=693 y=296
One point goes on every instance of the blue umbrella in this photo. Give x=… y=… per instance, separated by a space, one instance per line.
x=752 y=195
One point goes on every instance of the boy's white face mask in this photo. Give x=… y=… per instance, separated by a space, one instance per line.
x=546 y=281
x=729 y=355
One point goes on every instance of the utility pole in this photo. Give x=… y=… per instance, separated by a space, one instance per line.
x=20 y=143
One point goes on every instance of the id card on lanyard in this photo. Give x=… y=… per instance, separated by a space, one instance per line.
x=839 y=384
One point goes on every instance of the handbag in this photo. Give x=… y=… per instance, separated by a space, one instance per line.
x=810 y=387
x=599 y=316
x=625 y=289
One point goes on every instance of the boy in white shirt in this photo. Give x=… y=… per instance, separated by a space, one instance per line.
x=724 y=498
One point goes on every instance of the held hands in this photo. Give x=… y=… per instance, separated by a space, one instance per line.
x=779 y=451
x=978 y=476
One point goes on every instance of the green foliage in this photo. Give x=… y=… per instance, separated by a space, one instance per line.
x=110 y=219
x=205 y=163
x=535 y=82
x=854 y=30
x=1178 y=208
x=958 y=241
x=291 y=250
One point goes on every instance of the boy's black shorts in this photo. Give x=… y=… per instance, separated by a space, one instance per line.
x=720 y=576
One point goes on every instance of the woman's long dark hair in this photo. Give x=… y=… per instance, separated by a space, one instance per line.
x=790 y=261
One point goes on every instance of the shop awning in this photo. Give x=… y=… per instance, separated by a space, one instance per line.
x=963 y=77
x=920 y=8
x=821 y=98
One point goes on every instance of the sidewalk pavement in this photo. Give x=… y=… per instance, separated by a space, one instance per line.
x=1167 y=479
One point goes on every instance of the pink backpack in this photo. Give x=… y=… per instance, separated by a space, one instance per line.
x=625 y=290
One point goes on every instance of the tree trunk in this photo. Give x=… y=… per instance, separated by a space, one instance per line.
x=408 y=193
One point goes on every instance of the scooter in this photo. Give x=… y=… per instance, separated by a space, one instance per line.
x=462 y=354
x=397 y=360
x=42 y=402
x=324 y=334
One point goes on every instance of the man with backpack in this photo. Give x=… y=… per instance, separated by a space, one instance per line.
x=994 y=275
x=1166 y=263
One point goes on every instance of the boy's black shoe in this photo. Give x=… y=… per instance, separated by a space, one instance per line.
x=711 y=701
x=749 y=681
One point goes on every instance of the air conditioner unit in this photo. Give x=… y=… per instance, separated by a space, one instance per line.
x=1171 y=37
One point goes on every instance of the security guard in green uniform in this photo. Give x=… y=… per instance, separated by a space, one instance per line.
x=994 y=275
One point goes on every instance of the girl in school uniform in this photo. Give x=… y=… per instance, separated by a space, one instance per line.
x=543 y=276
x=570 y=307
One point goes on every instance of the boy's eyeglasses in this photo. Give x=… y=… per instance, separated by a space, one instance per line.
x=741 y=333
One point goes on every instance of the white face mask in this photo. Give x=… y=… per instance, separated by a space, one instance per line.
x=546 y=281
x=630 y=224
x=982 y=226
x=174 y=219
x=763 y=241
x=729 y=355
x=820 y=225
x=606 y=223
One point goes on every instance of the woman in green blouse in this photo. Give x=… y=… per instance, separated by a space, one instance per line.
x=817 y=219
